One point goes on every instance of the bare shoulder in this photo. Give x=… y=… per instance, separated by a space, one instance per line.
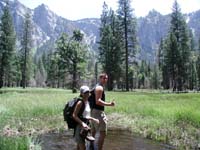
x=99 y=88
x=79 y=103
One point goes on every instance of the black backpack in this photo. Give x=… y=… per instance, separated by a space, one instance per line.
x=91 y=98
x=68 y=112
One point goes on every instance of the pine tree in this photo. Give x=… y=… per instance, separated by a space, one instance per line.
x=164 y=74
x=7 y=46
x=72 y=54
x=110 y=45
x=160 y=55
x=170 y=61
x=25 y=52
x=155 y=77
x=192 y=77
x=192 y=72
x=128 y=28
x=198 y=66
x=53 y=70
x=40 y=75
x=143 y=70
x=177 y=50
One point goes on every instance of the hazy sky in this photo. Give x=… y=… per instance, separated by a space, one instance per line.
x=78 y=9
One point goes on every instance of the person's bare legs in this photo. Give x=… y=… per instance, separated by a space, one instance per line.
x=77 y=147
x=81 y=147
x=102 y=136
x=93 y=132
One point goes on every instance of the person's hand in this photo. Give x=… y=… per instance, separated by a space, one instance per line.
x=112 y=103
x=84 y=125
x=96 y=120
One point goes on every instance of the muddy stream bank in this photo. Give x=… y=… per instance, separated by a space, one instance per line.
x=115 y=140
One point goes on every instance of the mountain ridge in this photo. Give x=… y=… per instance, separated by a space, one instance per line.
x=48 y=26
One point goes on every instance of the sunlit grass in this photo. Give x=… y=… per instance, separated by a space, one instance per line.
x=152 y=114
x=14 y=143
x=170 y=118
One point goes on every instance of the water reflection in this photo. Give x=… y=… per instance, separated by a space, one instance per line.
x=115 y=140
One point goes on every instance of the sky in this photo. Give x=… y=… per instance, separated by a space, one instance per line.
x=79 y=9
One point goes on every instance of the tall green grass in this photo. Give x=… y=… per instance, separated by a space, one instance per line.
x=157 y=105
x=14 y=143
x=152 y=114
x=170 y=118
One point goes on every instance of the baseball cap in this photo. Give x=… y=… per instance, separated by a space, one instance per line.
x=84 y=89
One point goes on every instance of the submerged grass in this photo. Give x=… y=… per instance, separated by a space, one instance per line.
x=169 y=118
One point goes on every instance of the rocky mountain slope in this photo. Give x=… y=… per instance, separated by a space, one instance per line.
x=47 y=27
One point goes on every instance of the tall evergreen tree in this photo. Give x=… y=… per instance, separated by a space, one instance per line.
x=170 y=61
x=7 y=45
x=25 y=52
x=72 y=54
x=142 y=74
x=53 y=70
x=128 y=28
x=160 y=55
x=192 y=72
x=110 y=45
x=40 y=76
x=155 y=77
x=192 y=77
x=198 y=66
x=178 y=51
x=163 y=72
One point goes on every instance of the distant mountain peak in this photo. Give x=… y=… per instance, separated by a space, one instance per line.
x=47 y=27
x=43 y=6
x=154 y=13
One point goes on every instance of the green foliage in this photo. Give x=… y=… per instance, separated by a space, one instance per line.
x=7 y=47
x=112 y=43
x=177 y=51
x=111 y=46
x=127 y=24
x=40 y=75
x=72 y=54
x=25 y=52
x=14 y=143
x=198 y=66
x=160 y=116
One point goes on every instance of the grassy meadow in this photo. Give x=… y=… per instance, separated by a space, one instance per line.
x=165 y=117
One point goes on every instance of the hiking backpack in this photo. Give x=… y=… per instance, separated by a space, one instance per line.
x=68 y=112
x=91 y=98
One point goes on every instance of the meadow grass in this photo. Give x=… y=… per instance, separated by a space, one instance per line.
x=169 y=118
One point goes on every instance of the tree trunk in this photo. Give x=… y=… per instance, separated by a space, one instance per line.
x=74 y=78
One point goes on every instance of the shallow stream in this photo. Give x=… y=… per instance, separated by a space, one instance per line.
x=115 y=140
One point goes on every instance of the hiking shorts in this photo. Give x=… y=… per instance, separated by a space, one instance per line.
x=99 y=114
x=78 y=138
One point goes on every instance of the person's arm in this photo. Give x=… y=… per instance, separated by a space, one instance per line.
x=98 y=96
x=75 y=114
x=93 y=119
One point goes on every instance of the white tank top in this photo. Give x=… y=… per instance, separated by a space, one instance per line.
x=87 y=110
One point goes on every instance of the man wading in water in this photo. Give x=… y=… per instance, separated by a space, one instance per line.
x=98 y=110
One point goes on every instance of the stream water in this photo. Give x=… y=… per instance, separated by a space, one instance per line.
x=115 y=140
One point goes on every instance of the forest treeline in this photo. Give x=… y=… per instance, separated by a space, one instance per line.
x=176 y=65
